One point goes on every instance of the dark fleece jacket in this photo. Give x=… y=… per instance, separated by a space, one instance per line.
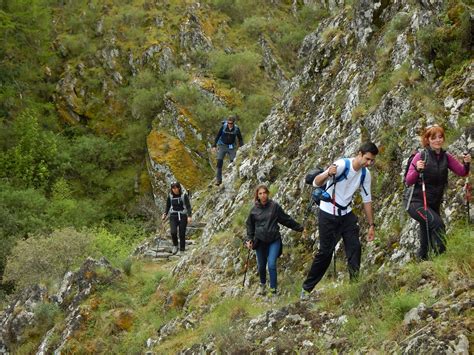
x=262 y=222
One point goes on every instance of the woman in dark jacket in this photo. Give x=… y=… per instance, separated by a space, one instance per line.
x=433 y=162
x=179 y=209
x=263 y=235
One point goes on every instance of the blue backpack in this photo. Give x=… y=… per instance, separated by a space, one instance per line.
x=320 y=193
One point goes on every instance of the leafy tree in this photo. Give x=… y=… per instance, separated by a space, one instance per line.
x=24 y=24
x=32 y=158
x=46 y=258
x=242 y=70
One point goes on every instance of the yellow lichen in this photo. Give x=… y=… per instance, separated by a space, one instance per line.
x=170 y=151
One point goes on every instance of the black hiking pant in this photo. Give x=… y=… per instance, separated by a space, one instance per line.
x=331 y=229
x=178 y=221
x=437 y=230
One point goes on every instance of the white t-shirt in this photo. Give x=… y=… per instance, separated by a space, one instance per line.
x=346 y=188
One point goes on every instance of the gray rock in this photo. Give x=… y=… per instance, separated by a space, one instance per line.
x=414 y=315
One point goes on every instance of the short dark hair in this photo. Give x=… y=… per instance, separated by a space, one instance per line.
x=176 y=184
x=232 y=118
x=368 y=147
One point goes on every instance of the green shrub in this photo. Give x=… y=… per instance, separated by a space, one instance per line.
x=111 y=246
x=448 y=43
x=127 y=266
x=146 y=103
x=254 y=26
x=77 y=44
x=46 y=315
x=186 y=95
x=46 y=258
x=310 y=15
x=237 y=10
x=34 y=154
x=253 y=111
x=240 y=69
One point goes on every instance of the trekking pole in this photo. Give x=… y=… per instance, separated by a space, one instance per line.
x=425 y=207
x=468 y=189
x=246 y=268
x=334 y=215
x=468 y=194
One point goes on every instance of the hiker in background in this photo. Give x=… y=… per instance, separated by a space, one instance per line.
x=225 y=142
x=179 y=209
x=432 y=165
x=263 y=235
x=336 y=218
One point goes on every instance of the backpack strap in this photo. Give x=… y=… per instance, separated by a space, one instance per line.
x=345 y=172
x=181 y=198
x=343 y=175
x=362 y=179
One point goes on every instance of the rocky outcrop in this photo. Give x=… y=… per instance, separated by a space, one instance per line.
x=176 y=152
x=192 y=37
x=75 y=288
x=328 y=109
x=271 y=65
x=19 y=316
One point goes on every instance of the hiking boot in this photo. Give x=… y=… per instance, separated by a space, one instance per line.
x=261 y=290
x=218 y=183
x=304 y=295
x=181 y=252
x=174 y=250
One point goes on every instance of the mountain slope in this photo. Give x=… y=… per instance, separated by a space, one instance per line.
x=368 y=72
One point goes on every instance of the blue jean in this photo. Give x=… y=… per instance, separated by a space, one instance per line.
x=267 y=253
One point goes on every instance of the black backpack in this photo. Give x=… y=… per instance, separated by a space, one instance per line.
x=408 y=190
x=320 y=193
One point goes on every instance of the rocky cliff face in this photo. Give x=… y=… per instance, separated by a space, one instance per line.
x=329 y=108
x=318 y=121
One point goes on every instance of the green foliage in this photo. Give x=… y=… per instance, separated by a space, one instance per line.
x=255 y=26
x=111 y=246
x=77 y=45
x=127 y=266
x=30 y=161
x=287 y=38
x=240 y=69
x=447 y=44
x=49 y=256
x=202 y=108
x=310 y=15
x=46 y=315
x=237 y=10
x=147 y=95
x=25 y=51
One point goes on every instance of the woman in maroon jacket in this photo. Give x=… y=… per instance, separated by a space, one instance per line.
x=433 y=162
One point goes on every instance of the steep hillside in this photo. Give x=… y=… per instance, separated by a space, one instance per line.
x=105 y=103
x=371 y=70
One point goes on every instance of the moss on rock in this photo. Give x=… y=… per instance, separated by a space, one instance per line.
x=167 y=150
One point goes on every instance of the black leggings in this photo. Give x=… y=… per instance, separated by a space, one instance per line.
x=437 y=229
x=178 y=220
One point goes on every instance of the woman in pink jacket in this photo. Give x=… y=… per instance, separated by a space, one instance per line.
x=433 y=163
